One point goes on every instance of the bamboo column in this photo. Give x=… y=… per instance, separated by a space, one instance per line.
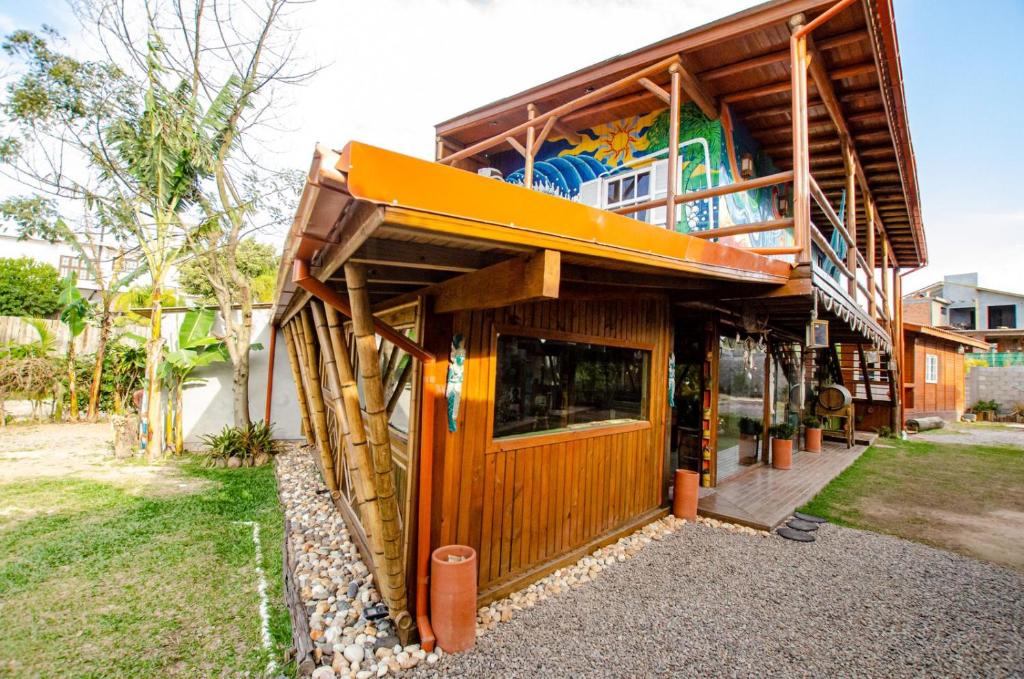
x=869 y=209
x=673 y=149
x=293 y=361
x=801 y=154
x=379 y=442
x=331 y=374
x=851 y=216
x=531 y=113
x=316 y=398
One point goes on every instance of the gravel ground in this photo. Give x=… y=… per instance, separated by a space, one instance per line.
x=974 y=435
x=706 y=602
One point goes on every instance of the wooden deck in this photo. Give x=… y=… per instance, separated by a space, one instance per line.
x=762 y=497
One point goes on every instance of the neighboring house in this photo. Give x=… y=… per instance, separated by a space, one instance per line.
x=66 y=259
x=597 y=280
x=934 y=380
x=958 y=302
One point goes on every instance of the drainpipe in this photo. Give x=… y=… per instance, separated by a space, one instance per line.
x=302 y=278
x=270 y=373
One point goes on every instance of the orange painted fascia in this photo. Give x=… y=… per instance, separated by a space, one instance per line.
x=477 y=206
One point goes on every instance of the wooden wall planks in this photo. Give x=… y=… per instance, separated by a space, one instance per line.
x=529 y=501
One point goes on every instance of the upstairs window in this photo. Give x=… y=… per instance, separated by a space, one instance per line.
x=629 y=189
x=77 y=265
x=1002 y=316
x=931 y=368
x=547 y=385
x=962 y=318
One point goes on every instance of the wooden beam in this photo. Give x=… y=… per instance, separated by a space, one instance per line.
x=696 y=91
x=785 y=85
x=656 y=90
x=539 y=141
x=406 y=254
x=851 y=218
x=672 y=180
x=779 y=56
x=531 y=113
x=801 y=153
x=521 y=279
x=516 y=145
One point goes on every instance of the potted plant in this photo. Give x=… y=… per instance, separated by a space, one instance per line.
x=750 y=431
x=812 y=434
x=782 y=445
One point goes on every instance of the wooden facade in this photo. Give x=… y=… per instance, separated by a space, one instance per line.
x=394 y=265
x=526 y=503
x=939 y=389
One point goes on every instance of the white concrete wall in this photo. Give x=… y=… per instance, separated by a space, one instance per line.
x=208 y=407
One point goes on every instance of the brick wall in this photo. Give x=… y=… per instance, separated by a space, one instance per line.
x=1005 y=385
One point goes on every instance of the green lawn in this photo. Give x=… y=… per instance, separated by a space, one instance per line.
x=98 y=582
x=962 y=497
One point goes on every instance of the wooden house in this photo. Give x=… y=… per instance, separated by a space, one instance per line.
x=513 y=346
x=936 y=370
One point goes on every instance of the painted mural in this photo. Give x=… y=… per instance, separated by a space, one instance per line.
x=709 y=155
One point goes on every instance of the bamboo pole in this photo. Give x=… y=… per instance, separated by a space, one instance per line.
x=379 y=442
x=673 y=149
x=331 y=373
x=316 y=397
x=293 y=361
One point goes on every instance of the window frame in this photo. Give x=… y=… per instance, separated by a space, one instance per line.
x=73 y=263
x=619 y=178
x=587 y=431
x=931 y=365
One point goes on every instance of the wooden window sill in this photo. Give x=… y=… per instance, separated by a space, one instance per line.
x=520 y=441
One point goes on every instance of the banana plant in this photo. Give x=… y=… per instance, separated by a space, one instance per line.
x=196 y=348
x=75 y=313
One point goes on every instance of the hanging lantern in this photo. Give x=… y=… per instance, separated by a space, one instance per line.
x=747 y=166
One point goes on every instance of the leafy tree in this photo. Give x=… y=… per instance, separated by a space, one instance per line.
x=256 y=262
x=75 y=313
x=36 y=216
x=28 y=288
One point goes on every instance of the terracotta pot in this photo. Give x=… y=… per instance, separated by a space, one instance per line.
x=453 y=597
x=782 y=453
x=812 y=440
x=684 y=498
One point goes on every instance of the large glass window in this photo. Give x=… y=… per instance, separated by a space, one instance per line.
x=1002 y=316
x=741 y=363
x=547 y=385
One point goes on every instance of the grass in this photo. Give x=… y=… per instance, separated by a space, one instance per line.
x=97 y=582
x=944 y=494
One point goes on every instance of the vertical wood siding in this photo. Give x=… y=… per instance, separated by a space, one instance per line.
x=525 y=502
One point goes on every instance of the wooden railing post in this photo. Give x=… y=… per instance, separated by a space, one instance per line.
x=531 y=113
x=897 y=342
x=851 y=216
x=673 y=149
x=886 y=305
x=801 y=157
x=869 y=209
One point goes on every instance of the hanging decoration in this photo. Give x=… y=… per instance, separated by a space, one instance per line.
x=453 y=385
x=672 y=380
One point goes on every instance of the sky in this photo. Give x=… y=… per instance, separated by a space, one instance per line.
x=390 y=70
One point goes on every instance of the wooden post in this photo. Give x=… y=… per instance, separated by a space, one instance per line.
x=851 y=217
x=869 y=209
x=897 y=293
x=769 y=405
x=673 y=149
x=531 y=113
x=379 y=438
x=316 y=399
x=801 y=155
x=293 y=361
x=886 y=305
x=270 y=373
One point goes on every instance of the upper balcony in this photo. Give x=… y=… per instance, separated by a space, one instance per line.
x=790 y=188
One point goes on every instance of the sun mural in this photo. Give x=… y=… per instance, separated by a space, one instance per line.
x=617 y=142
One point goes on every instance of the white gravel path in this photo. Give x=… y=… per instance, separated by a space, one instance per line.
x=706 y=602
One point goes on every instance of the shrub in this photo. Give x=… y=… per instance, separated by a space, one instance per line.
x=252 y=445
x=986 y=406
x=812 y=422
x=750 y=426
x=28 y=288
x=782 y=431
x=885 y=432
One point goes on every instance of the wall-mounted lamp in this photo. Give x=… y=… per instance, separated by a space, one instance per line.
x=746 y=166
x=782 y=203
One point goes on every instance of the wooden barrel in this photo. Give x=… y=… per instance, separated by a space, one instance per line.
x=834 y=397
